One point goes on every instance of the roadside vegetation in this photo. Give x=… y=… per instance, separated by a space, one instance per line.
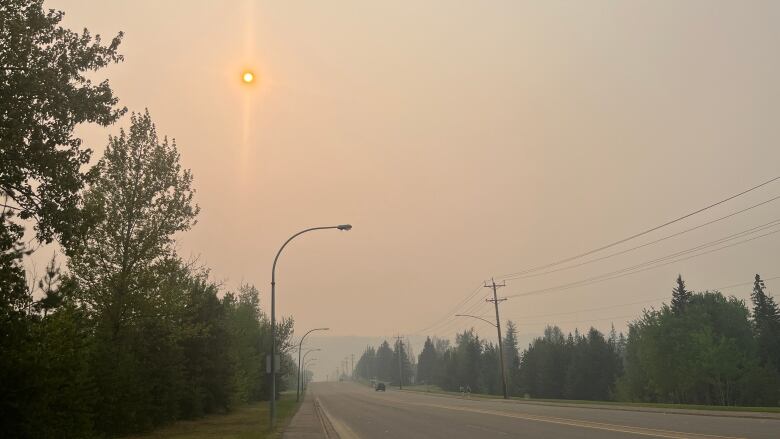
x=120 y=334
x=702 y=349
x=245 y=422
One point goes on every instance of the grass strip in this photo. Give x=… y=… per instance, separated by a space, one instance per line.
x=245 y=422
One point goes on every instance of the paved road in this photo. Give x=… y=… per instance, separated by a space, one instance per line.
x=357 y=411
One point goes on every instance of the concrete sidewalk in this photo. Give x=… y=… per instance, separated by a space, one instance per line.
x=309 y=422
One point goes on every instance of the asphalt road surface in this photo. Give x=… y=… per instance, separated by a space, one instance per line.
x=357 y=411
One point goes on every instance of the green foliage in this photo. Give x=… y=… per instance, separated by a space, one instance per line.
x=680 y=296
x=132 y=338
x=365 y=368
x=705 y=353
x=426 y=366
x=766 y=321
x=401 y=358
x=573 y=367
x=45 y=94
x=544 y=365
x=511 y=357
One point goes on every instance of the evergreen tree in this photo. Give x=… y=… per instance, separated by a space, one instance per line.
x=467 y=360
x=701 y=356
x=680 y=296
x=511 y=357
x=593 y=368
x=366 y=365
x=384 y=362
x=544 y=364
x=427 y=364
x=766 y=323
x=490 y=372
x=405 y=365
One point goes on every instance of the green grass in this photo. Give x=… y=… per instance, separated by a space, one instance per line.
x=246 y=422
x=617 y=404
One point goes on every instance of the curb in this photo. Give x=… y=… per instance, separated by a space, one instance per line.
x=327 y=426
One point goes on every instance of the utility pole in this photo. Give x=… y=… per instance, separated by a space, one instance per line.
x=353 y=366
x=495 y=301
x=400 y=346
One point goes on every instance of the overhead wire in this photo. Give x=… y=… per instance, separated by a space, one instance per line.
x=447 y=319
x=636 y=269
x=636 y=235
x=745 y=283
x=568 y=267
x=448 y=315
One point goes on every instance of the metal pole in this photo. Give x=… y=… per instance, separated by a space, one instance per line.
x=273 y=315
x=300 y=344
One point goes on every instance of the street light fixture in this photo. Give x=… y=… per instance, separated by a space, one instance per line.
x=500 y=346
x=309 y=352
x=476 y=317
x=344 y=227
x=300 y=344
x=311 y=362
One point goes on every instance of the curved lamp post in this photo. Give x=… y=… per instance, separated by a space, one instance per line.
x=309 y=352
x=475 y=317
x=500 y=346
x=300 y=378
x=311 y=362
x=273 y=312
x=300 y=344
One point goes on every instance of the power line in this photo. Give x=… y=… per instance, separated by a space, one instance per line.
x=628 y=271
x=620 y=305
x=452 y=324
x=449 y=314
x=579 y=321
x=446 y=319
x=701 y=246
x=568 y=267
x=636 y=235
x=745 y=283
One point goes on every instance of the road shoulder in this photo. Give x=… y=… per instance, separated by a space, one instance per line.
x=596 y=406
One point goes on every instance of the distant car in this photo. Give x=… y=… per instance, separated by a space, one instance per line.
x=380 y=386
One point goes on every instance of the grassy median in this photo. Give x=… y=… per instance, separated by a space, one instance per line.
x=245 y=422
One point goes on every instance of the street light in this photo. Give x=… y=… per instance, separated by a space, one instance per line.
x=500 y=346
x=298 y=393
x=344 y=227
x=309 y=352
x=306 y=364
x=311 y=362
x=475 y=317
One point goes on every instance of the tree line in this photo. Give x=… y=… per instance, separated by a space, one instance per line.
x=121 y=334
x=701 y=348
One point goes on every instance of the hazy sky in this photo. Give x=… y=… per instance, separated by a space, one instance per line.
x=462 y=140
